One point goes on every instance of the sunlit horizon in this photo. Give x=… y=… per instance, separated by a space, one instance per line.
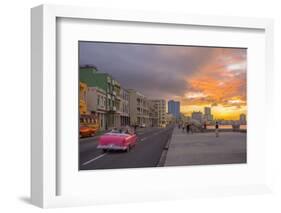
x=217 y=112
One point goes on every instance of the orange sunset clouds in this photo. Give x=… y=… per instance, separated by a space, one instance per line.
x=220 y=84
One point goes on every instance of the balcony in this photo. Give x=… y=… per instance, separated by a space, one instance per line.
x=111 y=109
x=101 y=106
x=118 y=97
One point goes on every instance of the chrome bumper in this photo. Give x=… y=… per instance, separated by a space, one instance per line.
x=112 y=147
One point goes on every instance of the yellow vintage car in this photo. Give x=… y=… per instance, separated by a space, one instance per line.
x=89 y=125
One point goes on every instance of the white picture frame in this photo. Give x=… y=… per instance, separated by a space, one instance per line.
x=44 y=150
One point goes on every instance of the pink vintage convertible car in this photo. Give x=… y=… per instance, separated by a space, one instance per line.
x=117 y=140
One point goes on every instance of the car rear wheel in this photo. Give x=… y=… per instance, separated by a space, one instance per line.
x=128 y=148
x=104 y=150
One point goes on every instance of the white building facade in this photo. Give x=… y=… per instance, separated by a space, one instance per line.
x=138 y=108
x=124 y=107
x=159 y=112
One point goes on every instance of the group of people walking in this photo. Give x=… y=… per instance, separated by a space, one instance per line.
x=187 y=126
x=190 y=128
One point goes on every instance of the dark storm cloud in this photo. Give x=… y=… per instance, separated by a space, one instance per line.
x=156 y=71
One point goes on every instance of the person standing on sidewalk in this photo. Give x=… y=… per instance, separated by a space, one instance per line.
x=217 y=129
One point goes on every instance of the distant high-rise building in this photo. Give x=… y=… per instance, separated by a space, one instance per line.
x=207 y=110
x=207 y=114
x=174 y=108
x=243 y=119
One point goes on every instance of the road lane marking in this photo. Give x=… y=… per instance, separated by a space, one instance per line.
x=90 y=161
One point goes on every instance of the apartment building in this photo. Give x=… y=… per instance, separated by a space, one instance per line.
x=124 y=107
x=158 y=112
x=138 y=108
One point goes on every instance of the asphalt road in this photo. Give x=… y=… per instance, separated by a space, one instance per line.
x=147 y=152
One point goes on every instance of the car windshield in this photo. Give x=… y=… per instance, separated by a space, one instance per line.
x=121 y=131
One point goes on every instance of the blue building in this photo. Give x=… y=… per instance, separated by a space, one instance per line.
x=174 y=108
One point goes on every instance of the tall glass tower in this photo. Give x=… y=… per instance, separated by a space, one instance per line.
x=174 y=108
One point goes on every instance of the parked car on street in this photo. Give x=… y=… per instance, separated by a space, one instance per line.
x=143 y=125
x=117 y=140
x=88 y=125
x=86 y=131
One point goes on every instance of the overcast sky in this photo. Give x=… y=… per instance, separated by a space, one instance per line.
x=196 y=76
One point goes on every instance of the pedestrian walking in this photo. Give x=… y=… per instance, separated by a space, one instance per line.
x=205 y=126
x=217 y=129
x=191 y=128
x=182 y=128
x=187 y=128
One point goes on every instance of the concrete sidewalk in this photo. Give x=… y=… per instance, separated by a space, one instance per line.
x=205 y=148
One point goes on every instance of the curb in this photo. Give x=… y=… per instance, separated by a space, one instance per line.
x=162 y=159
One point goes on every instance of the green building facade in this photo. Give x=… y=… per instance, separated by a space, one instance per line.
x=94 y=78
